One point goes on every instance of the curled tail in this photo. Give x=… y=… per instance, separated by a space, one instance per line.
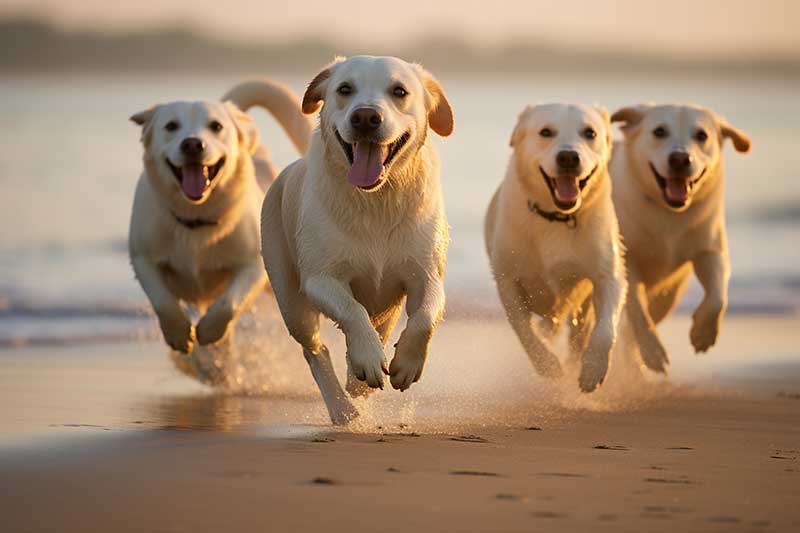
x=281 y=102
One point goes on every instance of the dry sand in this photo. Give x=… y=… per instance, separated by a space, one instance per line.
x=111 y=438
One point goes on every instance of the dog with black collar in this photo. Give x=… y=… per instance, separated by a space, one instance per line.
x=195 y=228
x=553 y=239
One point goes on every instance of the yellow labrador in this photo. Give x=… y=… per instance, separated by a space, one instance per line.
x=358 y=225
x=194 y=234
x=668 y=193
x=552 y=236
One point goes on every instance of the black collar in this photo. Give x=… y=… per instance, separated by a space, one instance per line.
x=553 y=216
x=194 y=223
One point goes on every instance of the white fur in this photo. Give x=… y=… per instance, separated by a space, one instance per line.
x=355 y=255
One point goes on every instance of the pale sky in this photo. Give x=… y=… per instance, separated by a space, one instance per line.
x=682 y=27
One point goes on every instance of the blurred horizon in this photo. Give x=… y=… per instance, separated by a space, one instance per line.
x=34 y=45
x=683 y=30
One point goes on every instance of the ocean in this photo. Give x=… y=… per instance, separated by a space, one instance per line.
x=70 y=159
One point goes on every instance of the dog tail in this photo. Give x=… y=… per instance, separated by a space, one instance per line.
x=281 y=102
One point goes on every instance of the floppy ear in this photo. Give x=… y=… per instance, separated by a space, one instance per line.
x=144 y=118
x=519 y=130
x=631 y=116
x=245 y=127
x=440 y=114
x=603 y=112
x=741 y=141
x=315 y=92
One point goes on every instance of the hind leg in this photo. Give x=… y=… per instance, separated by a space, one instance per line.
x=302 y=320
x=300 y=317
x=581 y=327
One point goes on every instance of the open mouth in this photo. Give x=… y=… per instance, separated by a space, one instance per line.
x=369 y=160
x=676 y=191
x=194 y=178
x=566 y=190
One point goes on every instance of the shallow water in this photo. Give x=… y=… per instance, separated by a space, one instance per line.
x=476 y=377
x=69 y=160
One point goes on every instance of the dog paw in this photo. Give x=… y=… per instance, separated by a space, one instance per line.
x=593 y=371
x=705 y=325
x=405 y=370
x=654 y=355
x=409 y=360
x=703 y=335
x=367 y=360
x=343 y=413
x=214 y=325
x=177 y=330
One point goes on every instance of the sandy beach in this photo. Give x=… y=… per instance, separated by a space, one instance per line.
x=110 y=437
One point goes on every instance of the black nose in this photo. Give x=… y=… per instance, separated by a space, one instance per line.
x=568 y=159
x=679 y=161
x=366 y=120
x=192 y=146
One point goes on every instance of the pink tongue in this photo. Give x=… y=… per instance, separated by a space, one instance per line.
x=567 y=190
x=193 y=181
x=367 y=164
x=677 y=189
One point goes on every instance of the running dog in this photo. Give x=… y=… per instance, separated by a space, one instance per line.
x=553 y=239
x=195 y=232
x=668 y=193
x=357 y=226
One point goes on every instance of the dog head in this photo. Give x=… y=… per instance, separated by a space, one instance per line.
x=375 y=117
x=560 y=152
x=192 y=148
x=676 y=149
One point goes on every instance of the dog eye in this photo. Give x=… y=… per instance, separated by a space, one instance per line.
x=546 y=132
x=660 y=132
x=589 y=133
x=171 y=125
x=400 y=92
x=701 y=136
x=344 y=89
x=215 y=126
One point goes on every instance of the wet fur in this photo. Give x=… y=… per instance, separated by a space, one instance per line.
x=551 y=270
x=354 y=256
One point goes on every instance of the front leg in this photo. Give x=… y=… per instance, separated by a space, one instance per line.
x=245 y=284
x=608 y=298
x=425 y=308
x=515 y=303
x=713 y=272
x=175 y=325
x=335 y=300
x=651 y=348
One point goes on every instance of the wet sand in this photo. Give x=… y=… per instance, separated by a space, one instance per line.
x=111 y=438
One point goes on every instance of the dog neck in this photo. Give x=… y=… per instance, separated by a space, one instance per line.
x=571 y=220
x=194 y=223
x=520 y=186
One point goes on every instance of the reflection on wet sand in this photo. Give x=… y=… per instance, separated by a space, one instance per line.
x=224 y=412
